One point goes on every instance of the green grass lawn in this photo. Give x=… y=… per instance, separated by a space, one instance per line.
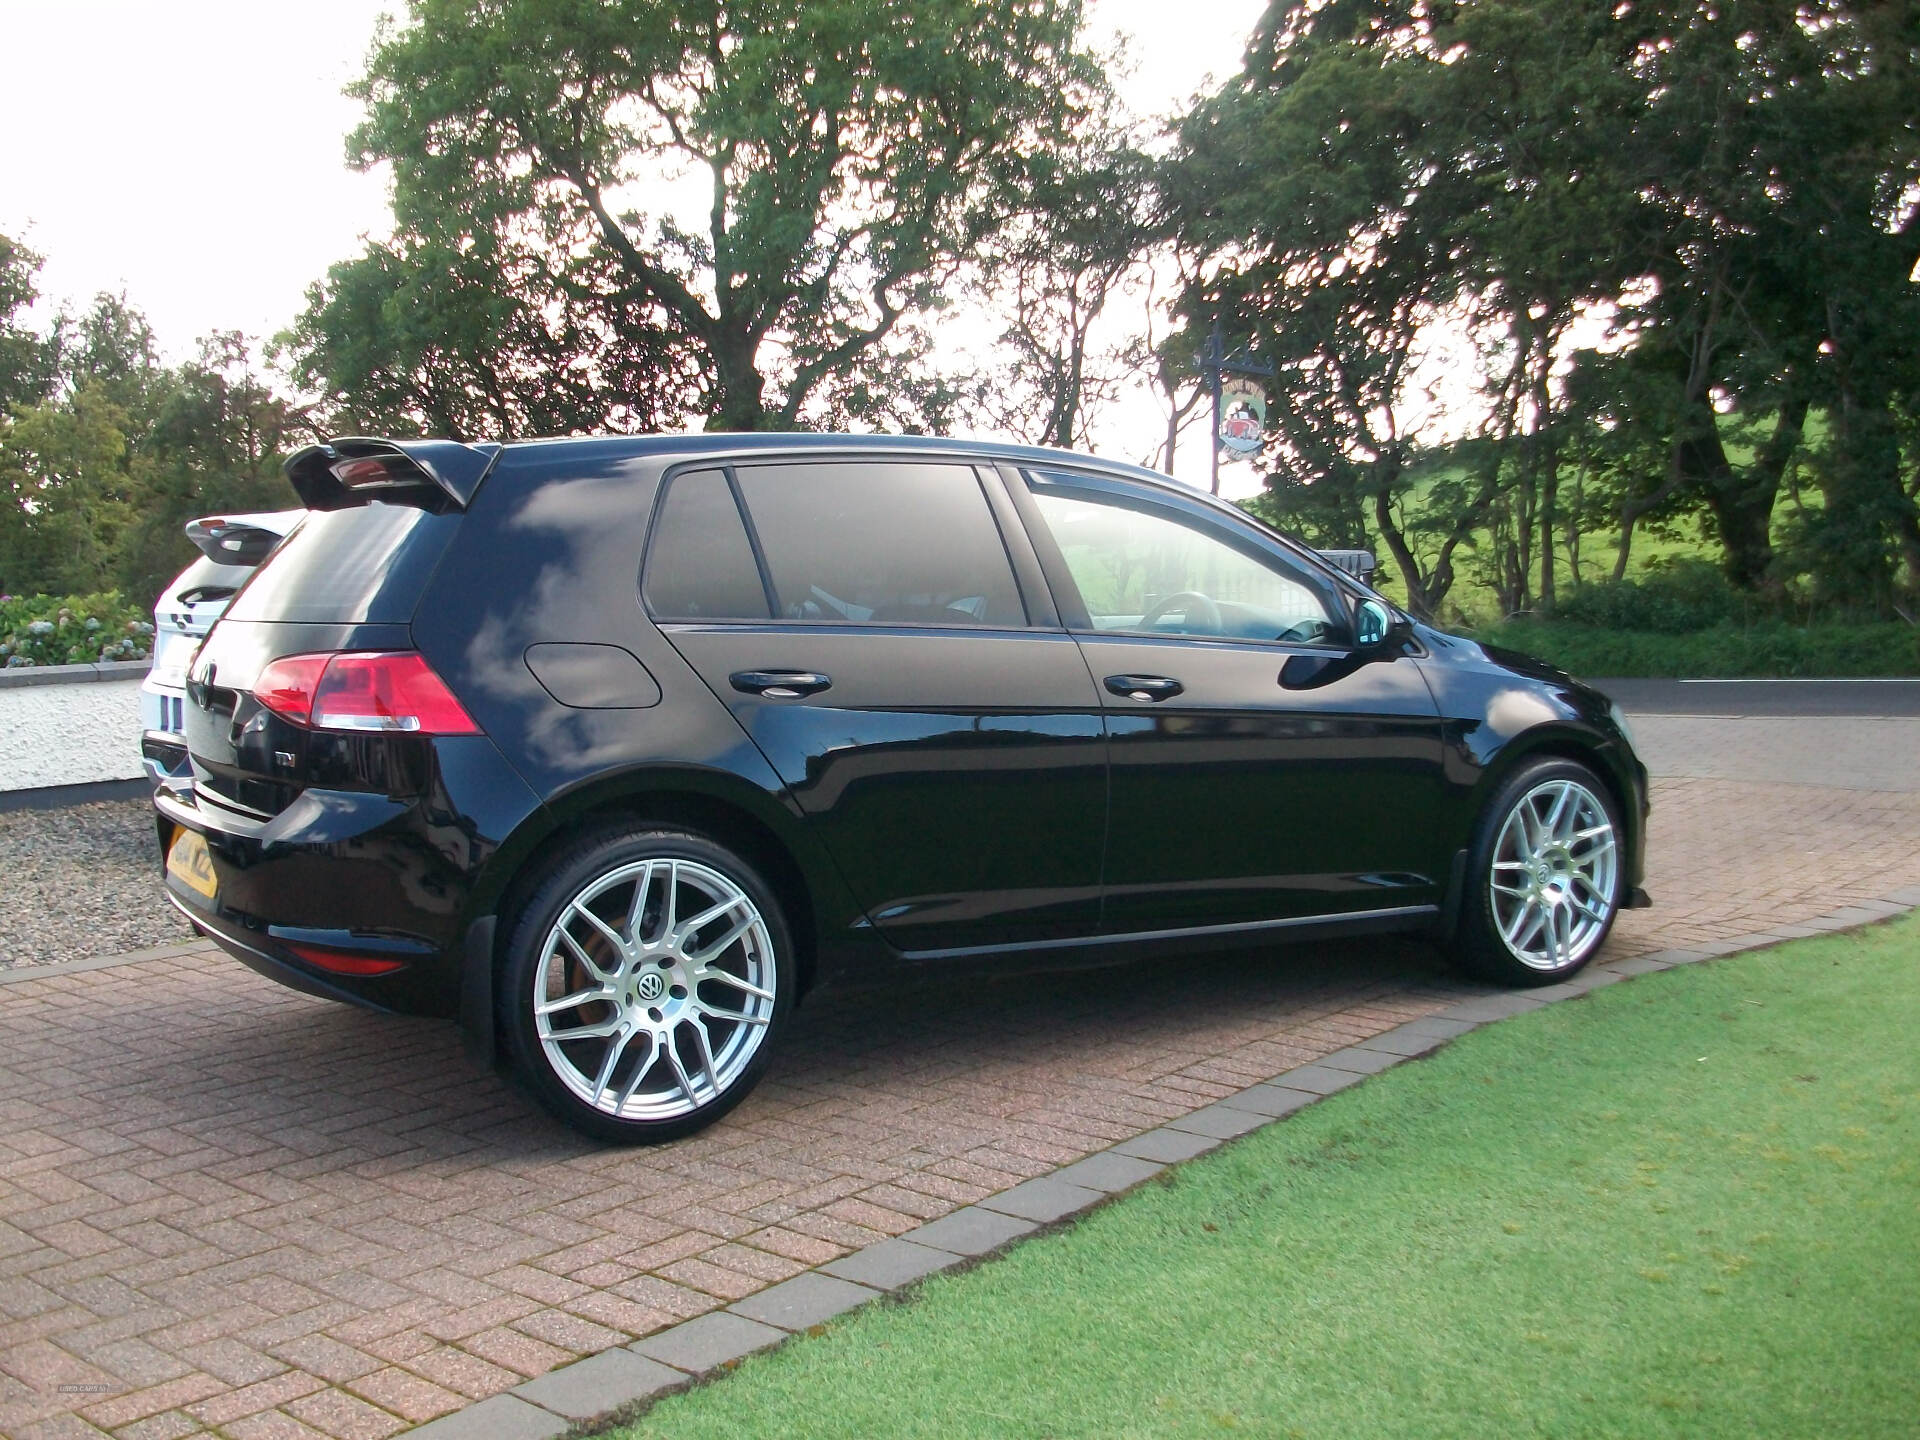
x=1685 y=1206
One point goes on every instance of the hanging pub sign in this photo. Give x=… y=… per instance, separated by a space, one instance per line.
x=1243 y=415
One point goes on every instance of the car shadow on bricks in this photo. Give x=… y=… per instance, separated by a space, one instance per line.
x=257 y=1072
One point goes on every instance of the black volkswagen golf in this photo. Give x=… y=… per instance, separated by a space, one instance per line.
x=613 y=748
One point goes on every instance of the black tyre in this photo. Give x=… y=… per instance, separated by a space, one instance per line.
x=1544 y=877
x=646 y=981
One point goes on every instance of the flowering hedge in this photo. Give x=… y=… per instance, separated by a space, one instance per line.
x=72 y=629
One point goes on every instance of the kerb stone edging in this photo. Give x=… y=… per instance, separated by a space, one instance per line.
x=624 y=1380
x=21 y=676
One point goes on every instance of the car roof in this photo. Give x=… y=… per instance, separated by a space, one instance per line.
x=788 y=441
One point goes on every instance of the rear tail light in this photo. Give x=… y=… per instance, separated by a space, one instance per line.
x=286 y=686
x=391 y=691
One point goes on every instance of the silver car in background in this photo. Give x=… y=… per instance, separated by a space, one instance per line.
x=1357 y=563
x=231 y=546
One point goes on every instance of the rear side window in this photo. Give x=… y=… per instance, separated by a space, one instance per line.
x=891 y=543
x=367 y=564
x=700 y=565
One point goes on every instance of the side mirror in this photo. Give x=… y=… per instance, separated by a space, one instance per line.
x=1371 y=623
x=1378 y=634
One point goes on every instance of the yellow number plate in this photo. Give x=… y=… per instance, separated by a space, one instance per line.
x=189 y=862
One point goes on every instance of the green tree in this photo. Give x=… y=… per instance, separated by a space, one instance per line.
x=117 y=450
x=1779 y=160
x=498 y=339
x=26 y=359
x=1076 y=244
x=65 y=499
x=111 y=345
x=1357 y=188
x=1729 y=190
x=1860 y=216
x=67 y=485
x=1619 y=421
x=216 y=443
x=856 y=152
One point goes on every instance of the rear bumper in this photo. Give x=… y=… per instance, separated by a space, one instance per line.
x=272 y=891
x=361 y=881
x=255 y=956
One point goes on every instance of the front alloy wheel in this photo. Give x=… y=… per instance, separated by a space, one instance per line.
x=1544 y=876
x=645 y=981
x=1554 y=875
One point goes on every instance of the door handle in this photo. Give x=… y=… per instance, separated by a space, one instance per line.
x=779 y=684
x=1144 y=687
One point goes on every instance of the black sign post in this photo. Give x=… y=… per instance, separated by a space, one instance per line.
x=1216 y=364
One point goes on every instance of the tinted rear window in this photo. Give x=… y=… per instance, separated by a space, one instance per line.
x=368 y=564
x=700 y=565
x=899 y=543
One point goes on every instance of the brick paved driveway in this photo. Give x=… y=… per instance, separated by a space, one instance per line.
x=227 y=1208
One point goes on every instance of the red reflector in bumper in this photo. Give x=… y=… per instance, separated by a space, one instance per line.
x=340 y=963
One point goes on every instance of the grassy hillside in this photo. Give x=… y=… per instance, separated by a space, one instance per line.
x=1657 y=545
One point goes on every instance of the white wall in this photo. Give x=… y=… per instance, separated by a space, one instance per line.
x=70 y=733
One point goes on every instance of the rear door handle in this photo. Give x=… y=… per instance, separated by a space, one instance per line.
x=1144 y=687
x=779 y=684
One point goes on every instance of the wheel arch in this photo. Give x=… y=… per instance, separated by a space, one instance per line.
x=1563 y=742
x=721 y=807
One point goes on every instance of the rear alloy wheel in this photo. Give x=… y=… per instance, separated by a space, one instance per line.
x=644 y=984
x=1544 y=878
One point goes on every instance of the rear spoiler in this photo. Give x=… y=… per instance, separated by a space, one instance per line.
x=354 y=470
x=231 y=542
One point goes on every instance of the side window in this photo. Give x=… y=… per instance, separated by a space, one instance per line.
x=892 y=543
x=1147 y=571
x=700 y=565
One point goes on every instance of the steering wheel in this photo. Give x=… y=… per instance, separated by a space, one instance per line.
x=1305 y=632
x=1186 y=601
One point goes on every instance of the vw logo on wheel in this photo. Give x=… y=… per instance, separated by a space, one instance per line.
x=651 y=986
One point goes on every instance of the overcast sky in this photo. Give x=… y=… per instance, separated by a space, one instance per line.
x=190 y=152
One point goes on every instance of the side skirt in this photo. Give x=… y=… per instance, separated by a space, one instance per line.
x=1139 y=942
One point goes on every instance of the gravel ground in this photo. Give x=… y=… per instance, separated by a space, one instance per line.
x=81 y=881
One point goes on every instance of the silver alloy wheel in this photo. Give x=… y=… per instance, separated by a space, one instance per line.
x=1554 y=875
x=654 y=989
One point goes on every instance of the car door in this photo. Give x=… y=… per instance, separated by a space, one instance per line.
x=1236 y=799
x=862 y=619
